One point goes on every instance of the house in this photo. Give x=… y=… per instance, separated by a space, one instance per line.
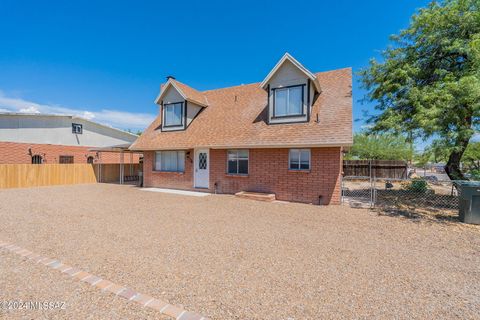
x=45 y=138
x=284 y=135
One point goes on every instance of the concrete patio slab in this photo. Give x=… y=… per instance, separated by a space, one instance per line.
x=180 y=192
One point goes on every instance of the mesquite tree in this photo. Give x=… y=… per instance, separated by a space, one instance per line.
x=428 y=82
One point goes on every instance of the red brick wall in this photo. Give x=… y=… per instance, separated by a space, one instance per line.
x=268 y=172
x=174 y=180
x=12 y=152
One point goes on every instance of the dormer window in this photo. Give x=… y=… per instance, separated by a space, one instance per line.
x=291 y=92
x=180 y=104
x=173 y=114
x=288 y=101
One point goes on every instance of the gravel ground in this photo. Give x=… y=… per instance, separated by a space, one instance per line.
x=229 y=258
x=22 y=280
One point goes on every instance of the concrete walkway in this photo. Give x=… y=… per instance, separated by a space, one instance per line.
x=175 y=191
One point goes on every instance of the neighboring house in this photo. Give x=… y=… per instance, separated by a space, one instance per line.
x=42 y=138
x=284 y=135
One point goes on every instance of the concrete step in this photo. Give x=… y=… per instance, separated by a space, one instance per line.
x=268 y=197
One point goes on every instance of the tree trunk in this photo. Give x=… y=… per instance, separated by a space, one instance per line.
x=453 y=164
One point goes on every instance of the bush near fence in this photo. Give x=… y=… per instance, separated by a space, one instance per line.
x=429 y=195
x=418 y=194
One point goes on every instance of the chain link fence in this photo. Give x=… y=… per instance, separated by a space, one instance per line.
x=418 y=194
x=358 y=191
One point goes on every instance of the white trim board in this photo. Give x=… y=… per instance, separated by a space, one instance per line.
x=297 y=64
x=175 y=191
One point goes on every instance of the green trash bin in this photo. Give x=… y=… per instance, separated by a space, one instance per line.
x=469 y=210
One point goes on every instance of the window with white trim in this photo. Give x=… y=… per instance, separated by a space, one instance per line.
x=299 y=159
x=237 y=161
x=173 y=114
x=170 y=161
x=288 y=101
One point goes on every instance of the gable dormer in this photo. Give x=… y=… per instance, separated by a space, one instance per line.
x=179 y=105
x=291 y=89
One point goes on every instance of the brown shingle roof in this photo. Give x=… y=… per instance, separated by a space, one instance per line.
x=236 y=117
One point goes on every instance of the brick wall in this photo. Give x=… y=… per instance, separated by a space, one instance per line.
x=174 y=180
x=268 y=172
x=12 y=152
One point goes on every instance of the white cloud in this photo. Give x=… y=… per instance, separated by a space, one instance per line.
x=31 y=109
x=114 y=118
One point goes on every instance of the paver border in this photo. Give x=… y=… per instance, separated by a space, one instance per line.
x=104 y=285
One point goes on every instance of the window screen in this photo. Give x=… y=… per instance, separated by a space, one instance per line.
x=288 y=101
x=171 y=161
x=299 y=159
x=237 y=162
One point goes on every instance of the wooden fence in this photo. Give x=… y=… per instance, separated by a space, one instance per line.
x=36 y=175
x=392 y=169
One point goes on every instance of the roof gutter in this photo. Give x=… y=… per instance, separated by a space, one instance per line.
x=280 y=146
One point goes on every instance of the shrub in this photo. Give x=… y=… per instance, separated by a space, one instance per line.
x=416 y=185
x=475 y=174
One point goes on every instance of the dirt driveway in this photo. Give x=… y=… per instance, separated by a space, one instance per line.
x=229 y=258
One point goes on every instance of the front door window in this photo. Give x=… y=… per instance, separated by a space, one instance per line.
x=202 y=161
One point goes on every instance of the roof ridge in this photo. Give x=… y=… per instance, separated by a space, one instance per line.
x=334 y=70
x=230 y=87
x=253 y=83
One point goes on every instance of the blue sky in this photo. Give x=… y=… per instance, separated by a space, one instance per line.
x=105 y=60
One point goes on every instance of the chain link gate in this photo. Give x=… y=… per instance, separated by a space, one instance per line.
x=358 y=191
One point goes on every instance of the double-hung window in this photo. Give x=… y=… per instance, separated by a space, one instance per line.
x=173 y=114
x=237 y=162
x=170 y=161
x=299 y=159
x=288 y=101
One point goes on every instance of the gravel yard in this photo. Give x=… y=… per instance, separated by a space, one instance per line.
x=229 y=258
x=22 y=280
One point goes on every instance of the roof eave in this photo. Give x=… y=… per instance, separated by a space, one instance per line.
x=71 y=116
x=240 y=146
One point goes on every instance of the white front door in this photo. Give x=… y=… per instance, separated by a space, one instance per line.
x=201 y=168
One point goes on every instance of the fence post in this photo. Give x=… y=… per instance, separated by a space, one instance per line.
x=371 y=192
x=370 y=168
